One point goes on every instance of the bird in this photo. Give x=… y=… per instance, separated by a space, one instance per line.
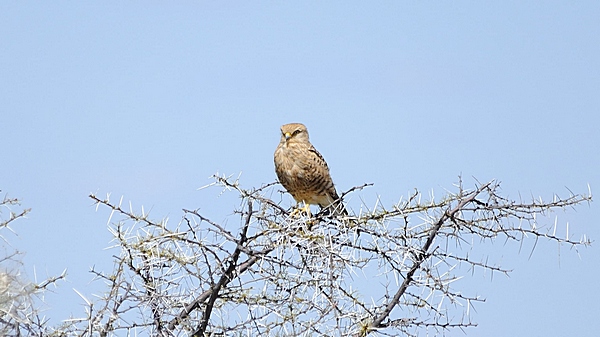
x=303 y=172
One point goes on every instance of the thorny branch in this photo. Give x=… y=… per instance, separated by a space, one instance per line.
x=385 y=271
x=423 y=254
x=295 y=279
x=227 y=275
x=20 y=312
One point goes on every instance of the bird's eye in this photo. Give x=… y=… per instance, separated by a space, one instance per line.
x=297 y=132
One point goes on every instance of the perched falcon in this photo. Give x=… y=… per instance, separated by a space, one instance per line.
x=303 y=172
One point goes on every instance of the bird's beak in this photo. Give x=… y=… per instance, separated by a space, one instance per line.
x=287 y=135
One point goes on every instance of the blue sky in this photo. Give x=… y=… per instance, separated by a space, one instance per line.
x=147 y=100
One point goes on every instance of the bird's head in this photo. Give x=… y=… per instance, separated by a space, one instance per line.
x=294 y=132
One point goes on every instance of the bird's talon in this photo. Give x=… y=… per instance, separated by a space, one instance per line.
x=299 y=211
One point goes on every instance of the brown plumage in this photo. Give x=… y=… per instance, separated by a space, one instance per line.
x=303 y=172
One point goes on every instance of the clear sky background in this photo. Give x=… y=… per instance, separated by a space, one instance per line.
x=146 y=100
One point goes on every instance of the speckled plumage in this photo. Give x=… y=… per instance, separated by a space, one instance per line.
x=302 y=170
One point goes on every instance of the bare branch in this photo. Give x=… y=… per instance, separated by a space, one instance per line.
x=390 y=270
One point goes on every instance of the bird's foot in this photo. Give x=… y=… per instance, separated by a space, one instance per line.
x=304 y=212
x=299 y=211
